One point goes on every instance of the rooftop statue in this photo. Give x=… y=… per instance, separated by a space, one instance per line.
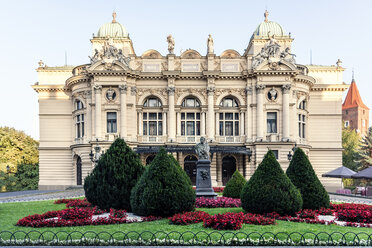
x=210 y=44
x=202 y=149
x=171 y=44
x=109 y=51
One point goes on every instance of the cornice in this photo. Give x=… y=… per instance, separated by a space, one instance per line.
x=48 y=88
x=76 y=79
x=330 y=87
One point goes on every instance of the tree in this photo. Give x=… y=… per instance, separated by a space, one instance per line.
x=111 y=181
x=16 y=147
x=164 y=188
x=364 y=157
x=270 y=190
x=350 y=145
x=303 y=176
x=234 y=185
x=26 y=177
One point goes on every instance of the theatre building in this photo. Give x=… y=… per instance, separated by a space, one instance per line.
x=243 y=103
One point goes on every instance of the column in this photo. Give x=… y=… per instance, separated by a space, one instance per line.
x=242 y=123
x=178 y=124
x=123 y=111
x=286 y=89
x=88 y=117
x=140 y=124
x=210 y=113
x=217 y=124
x=260 y=114
x=219 y=168
x=248 y=115
x=98 y=121
x=164 y=123
x=171 y=115
x=202 y=124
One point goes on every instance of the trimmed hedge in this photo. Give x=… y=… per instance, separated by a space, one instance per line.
x=164 y=189
x=303 y=176
x=111 y=181
x=270 y=190
x=234 y=186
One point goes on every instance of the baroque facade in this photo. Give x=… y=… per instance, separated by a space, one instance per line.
x=243 y=105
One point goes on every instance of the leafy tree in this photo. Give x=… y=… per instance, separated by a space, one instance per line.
x=16 y=147
x=303 y=176
x=164 y=189
x=365 y=151
x=234 y=185
x=6 y=181
x=270 y=190
x=350 y=145
x=26 y=177
x=111 y=181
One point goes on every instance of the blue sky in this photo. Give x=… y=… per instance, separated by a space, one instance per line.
x=34 y=30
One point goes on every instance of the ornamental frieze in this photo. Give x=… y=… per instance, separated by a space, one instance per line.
x=180 y=92
x=233 y=92
x=151 y=91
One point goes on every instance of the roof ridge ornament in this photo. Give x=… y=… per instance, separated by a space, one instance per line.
x=114 y=17
x=266 y=14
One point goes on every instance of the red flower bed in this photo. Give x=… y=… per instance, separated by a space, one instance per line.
x=76 y=213
x=257 y=219
x=79 y=203
x=151 y=218
x=226 y=221
x=219 y=202
x=188 y=218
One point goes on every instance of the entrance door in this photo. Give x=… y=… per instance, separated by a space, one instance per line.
x=79 y=180
x=149 y=159
x=189 y=165
x=228 y=168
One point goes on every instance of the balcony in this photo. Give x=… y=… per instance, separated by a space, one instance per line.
x=230 y=139
x=151 y=139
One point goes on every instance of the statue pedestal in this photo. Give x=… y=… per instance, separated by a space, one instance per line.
x=203 y=179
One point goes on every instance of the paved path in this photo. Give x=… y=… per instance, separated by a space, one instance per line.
x=39 y=195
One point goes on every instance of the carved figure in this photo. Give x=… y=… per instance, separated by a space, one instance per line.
x=272 y=47
x=110 y=94
x=259 y=58
x=202 y=149
x=273 y=94
x=171 y=44
x=122 y=59
x=204 y=174
x=95 y=57
x=210 y=44
x=288 y=56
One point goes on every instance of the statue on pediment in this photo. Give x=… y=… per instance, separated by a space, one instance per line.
x=171 y=44
x=210 y=44
x=95 y=57
x=272 y=47
x=288 y=56
x=202 y=149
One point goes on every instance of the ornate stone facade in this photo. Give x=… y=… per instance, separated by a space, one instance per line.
x=242 y=105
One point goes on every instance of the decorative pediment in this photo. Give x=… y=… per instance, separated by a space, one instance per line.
x=276 y=65
x=151 y=54
x=230 y=54
x=112 y=65
x=190 y=54
x=109 y=54
x=274 y=55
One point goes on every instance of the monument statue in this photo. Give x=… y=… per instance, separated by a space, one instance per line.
x=210 y=44
x=171 y=44
x=202 y=149
x=203 y=170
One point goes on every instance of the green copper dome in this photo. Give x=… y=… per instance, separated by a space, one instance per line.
x=267 y=28
x=112 y=29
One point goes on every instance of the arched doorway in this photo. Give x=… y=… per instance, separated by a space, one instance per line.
x=149 y=159
x=228 y=168
x=79 y=180
x=189 y=165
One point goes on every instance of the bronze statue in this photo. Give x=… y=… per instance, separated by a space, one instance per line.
x=202 y=149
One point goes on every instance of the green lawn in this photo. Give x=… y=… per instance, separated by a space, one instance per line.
x=11 y=212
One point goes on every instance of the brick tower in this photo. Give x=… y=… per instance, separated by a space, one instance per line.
x=355 y=113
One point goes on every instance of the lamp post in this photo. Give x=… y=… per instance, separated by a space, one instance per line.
x=94 y=157
x=290 y=155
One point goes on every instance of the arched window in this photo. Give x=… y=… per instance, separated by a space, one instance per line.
x=152 y=102
x=79 y=119
x=302 y=120
x=229 y=117
x=152 y=117
x=190 y=118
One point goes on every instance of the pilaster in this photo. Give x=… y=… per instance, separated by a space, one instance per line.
x=286 y=89
x=260 y=115
x=123 y=110
x=98 y=108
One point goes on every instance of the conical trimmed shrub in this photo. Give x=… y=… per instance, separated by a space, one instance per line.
x=164 y=189
x=234 y=186
x=303 y=176
x=111 y=181
x=270 y=190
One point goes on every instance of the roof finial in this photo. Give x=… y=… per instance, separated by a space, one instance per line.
x=353 y=74
x=113 y=17
x=266 y=15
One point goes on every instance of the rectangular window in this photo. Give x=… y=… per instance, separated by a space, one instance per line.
x=111 y=122
x=145 y=128
x=221 y=128
x=145 y=116
x=236 y=128
x=182 y=116
x=271 y=122
x=152 y=116
x=80 y=126
x=276 y=153
x=346 y=123
x=152 y=128
x=182 y=128
x=301 y=125
x=198 y=128
x=190 y=128
x=229 y=128
x=160 y=129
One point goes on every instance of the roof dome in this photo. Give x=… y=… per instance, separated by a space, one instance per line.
x=112 y=29
x=267 y=28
